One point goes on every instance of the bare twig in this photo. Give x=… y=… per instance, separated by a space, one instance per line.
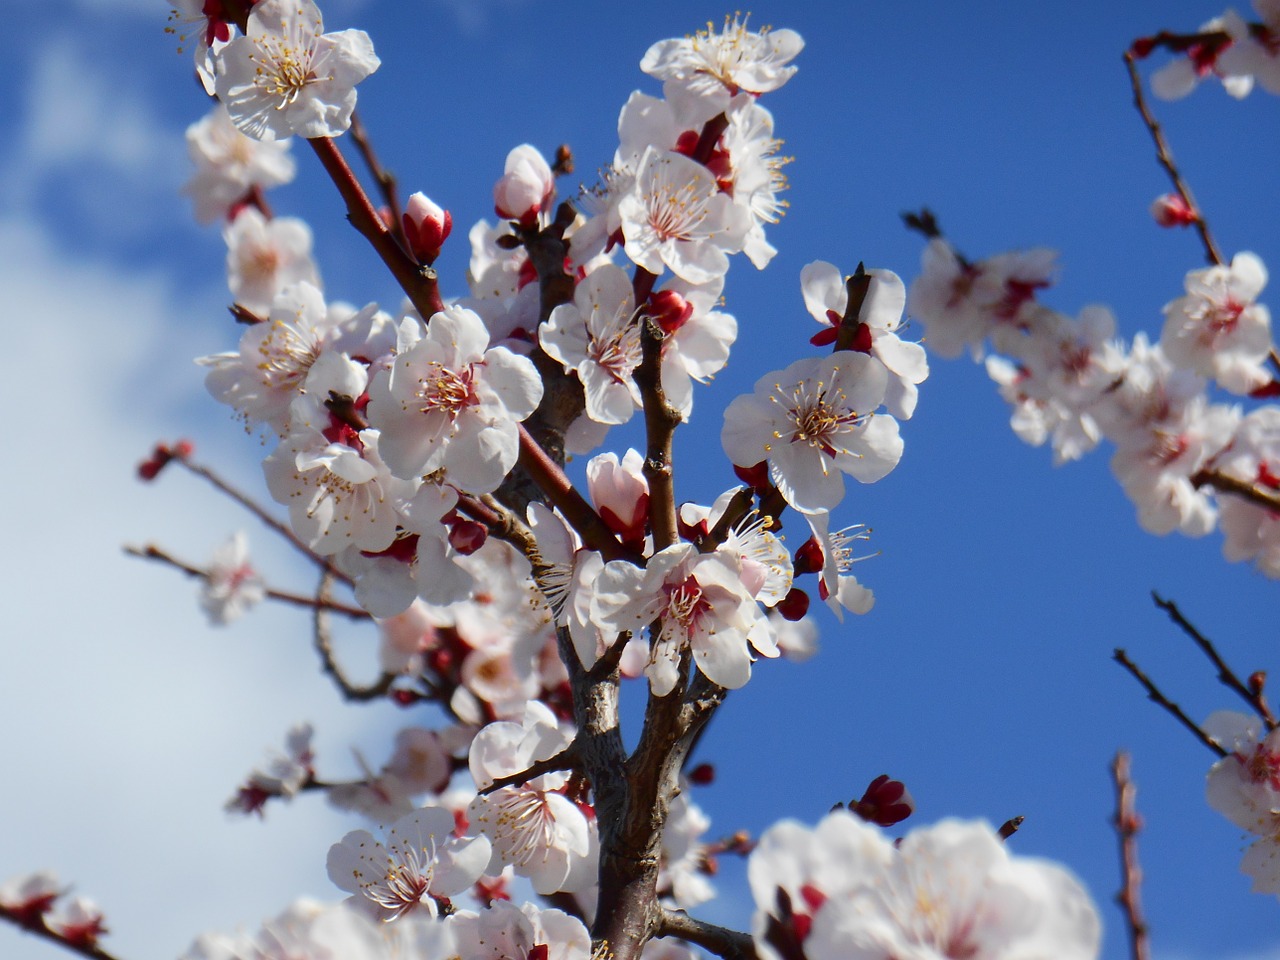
x=1127 y=824
x=34 y=923
x=856 y=288
x=258 y=511
x=1166 y=160
x=723 y=942
x=1010 y=827
x=1226 y=675
x=1156 y=696
x=324 y=646
x=660 y=421
x=152 y=552
x=566 y=759
x=385 y=178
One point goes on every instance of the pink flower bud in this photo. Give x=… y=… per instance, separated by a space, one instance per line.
x=620 y=493
x=526 y=186
x=426 y=225
x=885 y=802
x=669 y=310
x=794 y=605
x=1170 y=210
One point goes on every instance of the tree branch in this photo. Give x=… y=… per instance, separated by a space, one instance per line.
x=1225 y=483
x=1226 y=675
x=1165 y=159
x=1127 y=823
x=723 y=942
x=152 y=552
x=324 y=646
x=1155 y=696
x=35 y=924
x=386 y=180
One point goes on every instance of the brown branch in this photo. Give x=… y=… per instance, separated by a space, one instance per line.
x=152 y=552
x=385 y=178
x=35 y=924
x=1165 y=159
x=1225 y=483
x=723 y=942
x=660 y=422
x=1127 y=823
x=1157 y=697
x=566 y=759
x=1226 y=675
x=323 y=643
x=258 y=511
x=417 y=281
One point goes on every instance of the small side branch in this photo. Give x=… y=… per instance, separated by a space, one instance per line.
x=385 y=178
x=566 y=759
x=323 y=643
x=1226 y=675
x=1127 y=824
x=152 y=552
x=35 y=924
x=1165 y=157
x=660 y=422
x=257 y=510
x=1155 y=695
x=723 y=942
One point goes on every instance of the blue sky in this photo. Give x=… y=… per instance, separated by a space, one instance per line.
x=982 y=677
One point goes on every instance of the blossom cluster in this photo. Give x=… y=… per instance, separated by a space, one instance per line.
x=1071 y=383
x=1228 y=48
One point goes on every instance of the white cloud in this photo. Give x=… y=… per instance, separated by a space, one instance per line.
x=126 y=721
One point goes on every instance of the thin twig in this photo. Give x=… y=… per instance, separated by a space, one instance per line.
x=723 y=942
x=1226 y=675
x=660 y=422
x=1010 y=827
x=1225 y=483
x=1157 y=697
x=323 y=643
x=566 y=759
x=35 y=924
x=1166 y=160
x=258 y=511
x=152 y=552
x=856 y=288
x=385 y=178
x=1127 y=824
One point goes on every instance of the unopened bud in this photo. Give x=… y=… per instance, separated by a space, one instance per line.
x=885 y=802
x=1170 y=210
x=525 y=188
x=794 y=605
x=405 y=698
x=701 y=775
x=669 y=310
x=808 y=558
x=467 y=536
x=427 y=226
x=756 y=477
x=1142 y=47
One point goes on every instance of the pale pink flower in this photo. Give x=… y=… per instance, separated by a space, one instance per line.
x=506 y=931
x=526 y=187
x=451 y=402
x=231 y=585
x=1180 y=76
x=287 y=77
x=229 y=164
x=266 y=256
x=1244 y=786
x=814 y=422
x=421 y=862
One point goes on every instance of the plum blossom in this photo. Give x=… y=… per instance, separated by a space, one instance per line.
x=702 y=605
x=813 y=422
x=620 y=494
x=597 y=336
x=30 y=896
x=1218 y=329
x=266 y=256
x=1255 y=53
x=228 y=165
x=283 y=775
x=697 y=336
x=451 y=402
x=1250 y=531
x=836 y=583
x=506 y=931
x=843 y=891
x=426 y=225
x=420 y=863
x=1222 y=60
x=533 y=826
x=287 y=77
x=710 y=67
x=677 y=217
x=231 y=585
x=826 y=297
x=1244 y=786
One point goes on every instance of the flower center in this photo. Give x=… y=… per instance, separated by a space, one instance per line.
x=449 y=391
